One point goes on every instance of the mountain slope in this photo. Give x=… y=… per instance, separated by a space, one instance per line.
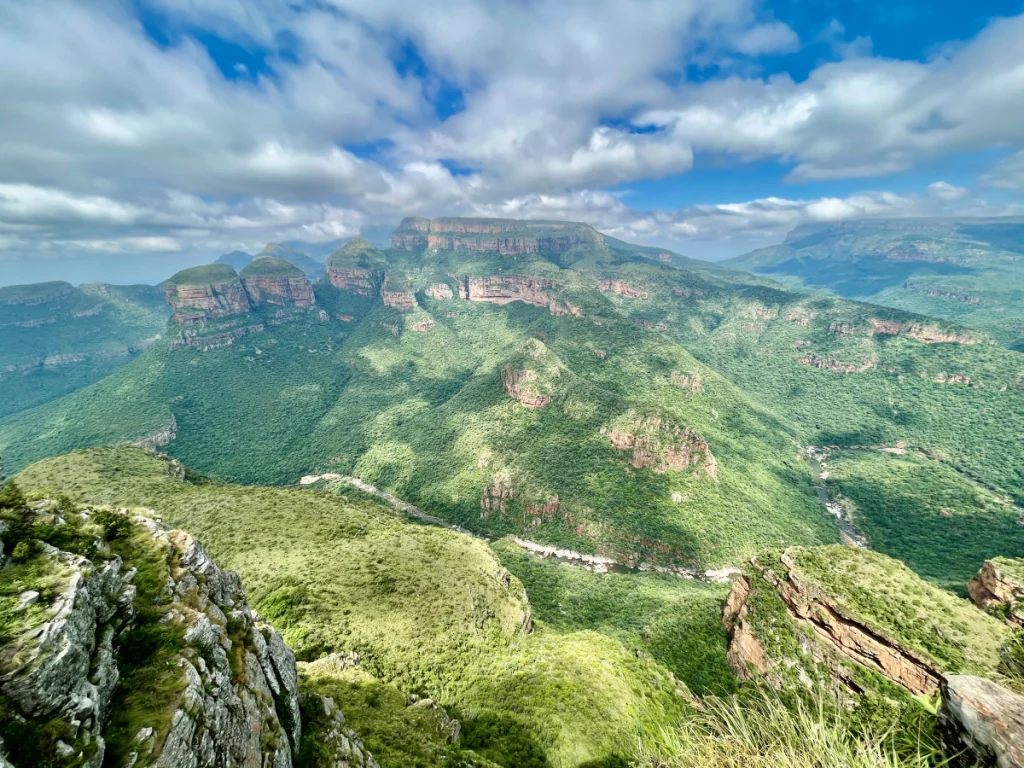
x=967 y=271
x=574 y=390
x=56 y=338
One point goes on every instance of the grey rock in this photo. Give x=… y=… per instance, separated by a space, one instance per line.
x=985 y=718
x=27 y=598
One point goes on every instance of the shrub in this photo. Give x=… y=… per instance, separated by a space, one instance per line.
x=24 y=551
x=11 y=496
x=114 y=526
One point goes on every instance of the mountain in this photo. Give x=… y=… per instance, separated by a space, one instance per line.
x=296 y=254
x=969 y=271
x=410 y=644
x=293 y=253
x=56 y=338
x=237 y=260
x=544 y=380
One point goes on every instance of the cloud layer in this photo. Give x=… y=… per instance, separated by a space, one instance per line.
x=123 y=133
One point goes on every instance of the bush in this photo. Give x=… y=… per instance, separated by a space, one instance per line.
x=11 y=496
x=114 y=526
x=24 y=551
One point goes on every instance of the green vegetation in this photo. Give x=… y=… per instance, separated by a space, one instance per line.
x=969 y=273
x=55 y=338
x=427 y=609
x=884 y=594
x=762 y=729
x=677 y=622
x=921 y=511
x=268 y=265
x=202 y=275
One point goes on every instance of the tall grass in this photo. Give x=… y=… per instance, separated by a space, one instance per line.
x=761 y=730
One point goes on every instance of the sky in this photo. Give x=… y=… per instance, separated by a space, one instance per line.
x=138 y=136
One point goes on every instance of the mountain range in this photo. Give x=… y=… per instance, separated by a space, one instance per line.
x=741 y=485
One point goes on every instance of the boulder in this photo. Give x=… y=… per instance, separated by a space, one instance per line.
x=985 y=718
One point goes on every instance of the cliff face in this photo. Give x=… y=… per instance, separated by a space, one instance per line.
x=280 y=290
x=504 y=236
x=208 y=301
x=79 y=664
x=661 y=446
x=396 y=294
x=365 y=282
x=998 y=589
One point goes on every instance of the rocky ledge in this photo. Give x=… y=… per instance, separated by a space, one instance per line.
x=151 y=659
x=998 y=588
x=272 y=281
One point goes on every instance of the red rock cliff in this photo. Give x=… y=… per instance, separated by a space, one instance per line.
x=194 y=303
x=284 y=291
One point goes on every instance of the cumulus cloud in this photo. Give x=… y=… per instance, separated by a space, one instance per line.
x=113 y=141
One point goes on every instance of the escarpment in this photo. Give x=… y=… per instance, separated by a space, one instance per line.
x=998 y=588
x=214 y=305
x=849 y=608
x=505 y=236
x=140 y=652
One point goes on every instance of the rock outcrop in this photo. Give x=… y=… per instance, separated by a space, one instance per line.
x=622 y=288
x=206 y=293
x=505 y=236
x=221 y=691
x=842 y=636
x=356 y=267
x=272 y=281
x=985 y=718
x=662 y=446
x=746 y=655
x=397 y=294
x=339 y=746
x=998 y=589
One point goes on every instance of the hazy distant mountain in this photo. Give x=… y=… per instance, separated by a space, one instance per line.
x=237 y=260
x=968 y=271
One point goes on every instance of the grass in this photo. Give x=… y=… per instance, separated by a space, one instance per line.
x=428 y=610
x=761 y=729
x=884 y=594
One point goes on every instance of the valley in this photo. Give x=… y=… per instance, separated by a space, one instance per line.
x=579 y=496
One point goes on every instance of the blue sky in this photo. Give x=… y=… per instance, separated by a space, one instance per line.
x=144 y=134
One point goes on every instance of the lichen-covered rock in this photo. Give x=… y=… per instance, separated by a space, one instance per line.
x=985 y=718
x=222 y=692
x=338 y=745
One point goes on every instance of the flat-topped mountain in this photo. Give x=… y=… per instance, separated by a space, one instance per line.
x=269 y=280
x=967 y=271
x=506 y=236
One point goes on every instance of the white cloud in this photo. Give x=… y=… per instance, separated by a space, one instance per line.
x=108 y=137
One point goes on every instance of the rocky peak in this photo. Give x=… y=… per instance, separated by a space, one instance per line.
x=269 y=280
x=210 y=292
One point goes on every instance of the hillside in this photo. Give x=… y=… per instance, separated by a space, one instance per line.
x=967 y=271
x=546 y=381
x=543 y=665
x=56 y=338
x=296 y=254
x=425 y=609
